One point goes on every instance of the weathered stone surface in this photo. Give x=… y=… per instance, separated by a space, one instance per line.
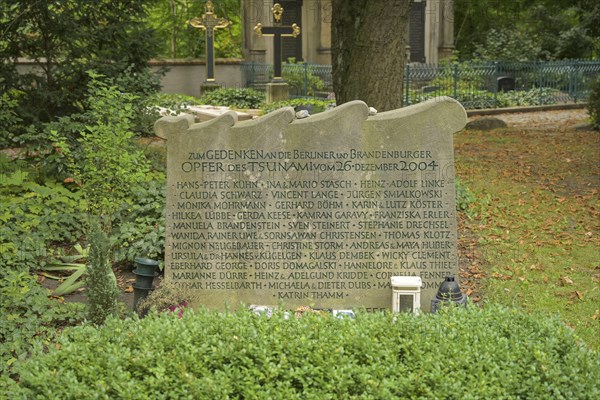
x=486 y=124
x=277 y=91
x=319 y=211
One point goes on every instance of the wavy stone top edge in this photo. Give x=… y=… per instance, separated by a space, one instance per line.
x=443 y=111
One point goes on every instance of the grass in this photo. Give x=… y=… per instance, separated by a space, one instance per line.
x=535 y=228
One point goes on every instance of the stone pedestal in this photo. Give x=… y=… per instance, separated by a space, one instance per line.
x=208 y=86
x=277 y=91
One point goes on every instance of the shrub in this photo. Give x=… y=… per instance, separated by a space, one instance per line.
x=102 y=291
x=594 y=104
x=236 y=98
x=302 y=78
x=456 y=353
x=106 y=163
x=27 y=316
x=140 y=226
x=32 y=216
x=9 y=118
x=167 y=297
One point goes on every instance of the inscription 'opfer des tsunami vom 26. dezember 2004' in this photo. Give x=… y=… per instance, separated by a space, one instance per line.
x=309 y=219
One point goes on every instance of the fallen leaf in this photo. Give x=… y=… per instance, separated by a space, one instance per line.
x=565 y=280
x=580 y=295
x=129 y=289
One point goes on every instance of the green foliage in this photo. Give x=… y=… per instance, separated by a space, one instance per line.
x=169 y=19
x=316 y=105
x=33 y=215
x=594 y=104
x=546 y=29
x=174 y=102
x=457 y=353
x=102 y=291
x=67 y=263
x=9 y=118
x=143 y=85
x=27 y=316
x=108 y=164
x=477 y=99
x=166 y=296
x=302 y=78
x=510 y=44
x=464 y=196
x=140 y=228
x=64 y=39
x=236 y=98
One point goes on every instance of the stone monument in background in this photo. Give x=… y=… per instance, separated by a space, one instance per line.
x=277 y=89
x=208 y=23
x=320 y=211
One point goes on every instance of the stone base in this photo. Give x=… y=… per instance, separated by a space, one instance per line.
x=277 y=92
x=208 y=87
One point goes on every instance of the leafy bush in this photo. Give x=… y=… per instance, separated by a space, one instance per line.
x=65 y=39
x=478 y=99
x=167 y=297
x=302 y=78
x=316 y=105
x=28 y=316
x=594 y=104
x=102 y=291
x=9 y=118
x=106 y=163
x=143 y=85
x=140 y=225
x=33 y=215
x=236 y=98
x=456 y=353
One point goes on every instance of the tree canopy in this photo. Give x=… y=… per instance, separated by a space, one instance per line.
x=64 y=39
x=522 y=30
x=168 y=18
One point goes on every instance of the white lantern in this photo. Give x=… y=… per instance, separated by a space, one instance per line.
x=406 y=294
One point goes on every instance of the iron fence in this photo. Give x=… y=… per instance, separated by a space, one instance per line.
x=475 y=85
x=305 y=80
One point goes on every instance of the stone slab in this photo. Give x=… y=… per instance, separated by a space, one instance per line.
x=320 y=211
x=206 y=113
x=277 y=91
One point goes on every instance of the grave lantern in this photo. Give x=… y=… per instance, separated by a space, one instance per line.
x=406 y=294
x=449 y=293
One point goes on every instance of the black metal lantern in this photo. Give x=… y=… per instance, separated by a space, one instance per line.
x=449 y=292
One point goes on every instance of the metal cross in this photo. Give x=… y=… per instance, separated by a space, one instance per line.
x=277 y=31
x=208 y=23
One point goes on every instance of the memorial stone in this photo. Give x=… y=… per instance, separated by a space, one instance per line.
x=320 y=211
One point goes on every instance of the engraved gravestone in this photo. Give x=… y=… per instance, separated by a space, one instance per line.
x=320 y=211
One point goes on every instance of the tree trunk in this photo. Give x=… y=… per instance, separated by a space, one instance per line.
x=369 y=40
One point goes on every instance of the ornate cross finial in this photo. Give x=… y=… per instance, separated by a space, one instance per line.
x=208 y=7
x=277 y=31
x=277 y=12
x=209 y=20
x=208 y=23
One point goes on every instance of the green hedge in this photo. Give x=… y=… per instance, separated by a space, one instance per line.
x=594 y=104
x=456 y=354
